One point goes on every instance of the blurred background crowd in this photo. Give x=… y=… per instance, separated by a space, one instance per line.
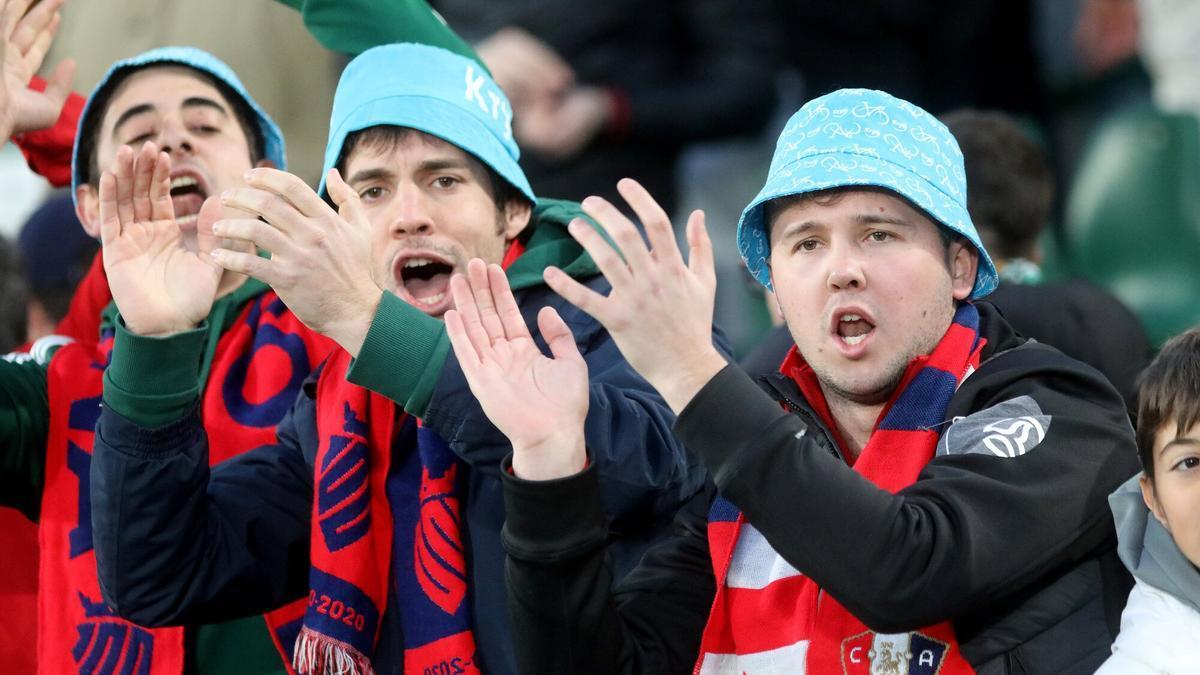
x=1078 y=119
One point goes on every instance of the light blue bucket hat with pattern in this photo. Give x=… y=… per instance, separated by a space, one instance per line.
x=865 y=137
x=190 y=57
x=429 y=89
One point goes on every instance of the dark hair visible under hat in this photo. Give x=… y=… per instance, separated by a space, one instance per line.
x=1011 y=187
x=246 y=117
x=386 y=137
x=1169 y=388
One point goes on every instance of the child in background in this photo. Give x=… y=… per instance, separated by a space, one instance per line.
x=1161 y=623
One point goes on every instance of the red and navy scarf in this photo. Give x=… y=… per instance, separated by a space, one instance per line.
x=769 y=617
x=386 y=508
x=256 y=371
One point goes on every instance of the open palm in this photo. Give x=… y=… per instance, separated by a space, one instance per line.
x=538 y=402
x=26 y=38
x=159 y=285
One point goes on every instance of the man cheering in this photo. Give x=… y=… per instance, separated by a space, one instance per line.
x=917 y=490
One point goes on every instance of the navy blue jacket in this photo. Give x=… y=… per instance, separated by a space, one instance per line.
x=178 y=543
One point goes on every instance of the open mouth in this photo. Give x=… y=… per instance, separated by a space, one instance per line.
x=852 y=328
x=188 y=193
x=425 y=280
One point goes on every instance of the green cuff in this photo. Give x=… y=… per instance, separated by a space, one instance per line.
x=402 y=355
x=153 y=381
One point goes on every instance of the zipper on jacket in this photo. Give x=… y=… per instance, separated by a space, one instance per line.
x=807 y=416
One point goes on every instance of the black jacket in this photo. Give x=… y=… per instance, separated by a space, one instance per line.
x=1017 y=551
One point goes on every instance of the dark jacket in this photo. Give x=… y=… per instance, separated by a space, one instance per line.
x=178 y=543
x=1017 y=551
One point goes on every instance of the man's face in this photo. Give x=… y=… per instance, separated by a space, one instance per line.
x=1174 y=497
x=188 y=118
x=865 y=285
x=431 y=210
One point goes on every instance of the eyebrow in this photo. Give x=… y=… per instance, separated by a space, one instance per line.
x=1182 y=440
x=190 y=102
x=369 y=175
x=797 y=229
x=380 y=173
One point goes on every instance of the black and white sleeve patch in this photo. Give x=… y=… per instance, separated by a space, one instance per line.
x=1008 y=429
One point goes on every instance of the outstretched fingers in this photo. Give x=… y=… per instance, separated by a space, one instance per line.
x=506 y=305
x=623 y=232
x=481 y=289
x=464 y=303
x=161 y=206
x=145 y=163
x=557 y=335
x=35 y=31
x=654 y=219
x=700 y=249
x=123 y=173
x=349 y=204
x=460 y=341
x=577 y=294
x=110 y=220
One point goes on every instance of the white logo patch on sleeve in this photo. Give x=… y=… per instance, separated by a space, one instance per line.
x=1008 y=429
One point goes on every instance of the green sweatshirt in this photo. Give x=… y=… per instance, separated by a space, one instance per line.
x=354 y=26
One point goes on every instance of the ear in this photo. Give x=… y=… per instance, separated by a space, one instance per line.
x=517 y=213
x=265 y=163
x=964 y=261
x=87 y=209
x=1151 y=498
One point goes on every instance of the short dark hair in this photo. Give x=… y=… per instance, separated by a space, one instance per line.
x=387 y=137
x=1010 y=188
x=245 y=115
x=1168 y=388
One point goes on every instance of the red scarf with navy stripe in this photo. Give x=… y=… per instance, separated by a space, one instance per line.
x=386 y=509
x=255 y=375
x=767 y=616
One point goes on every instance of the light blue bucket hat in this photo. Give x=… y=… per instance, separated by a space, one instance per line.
x=868 y=138
x=196 y=59
x=429 y=89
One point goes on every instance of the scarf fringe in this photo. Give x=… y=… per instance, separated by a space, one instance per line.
x=318 y=654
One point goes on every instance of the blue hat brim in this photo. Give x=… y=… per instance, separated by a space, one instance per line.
x=805 y=175
x=433 y=116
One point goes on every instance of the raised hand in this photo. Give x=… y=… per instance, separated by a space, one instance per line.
x=538 y=402
x=26 y=38
x=159 y=283
x=320 y=262
x=660 y=310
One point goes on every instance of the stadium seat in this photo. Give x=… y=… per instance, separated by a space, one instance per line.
x=1133 y=217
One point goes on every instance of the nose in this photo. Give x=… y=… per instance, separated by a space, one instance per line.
x=175 y=138
x=846 y=270
x=410 y=213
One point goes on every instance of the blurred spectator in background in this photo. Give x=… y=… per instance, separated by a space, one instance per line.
x=13 y=293
x=1170 y=49
x=1010 y=200
x=604 y=89
x=56 y=254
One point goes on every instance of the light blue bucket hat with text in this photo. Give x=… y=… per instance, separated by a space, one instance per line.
x=429 y=89
x=866 y=138
x=197 y=59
